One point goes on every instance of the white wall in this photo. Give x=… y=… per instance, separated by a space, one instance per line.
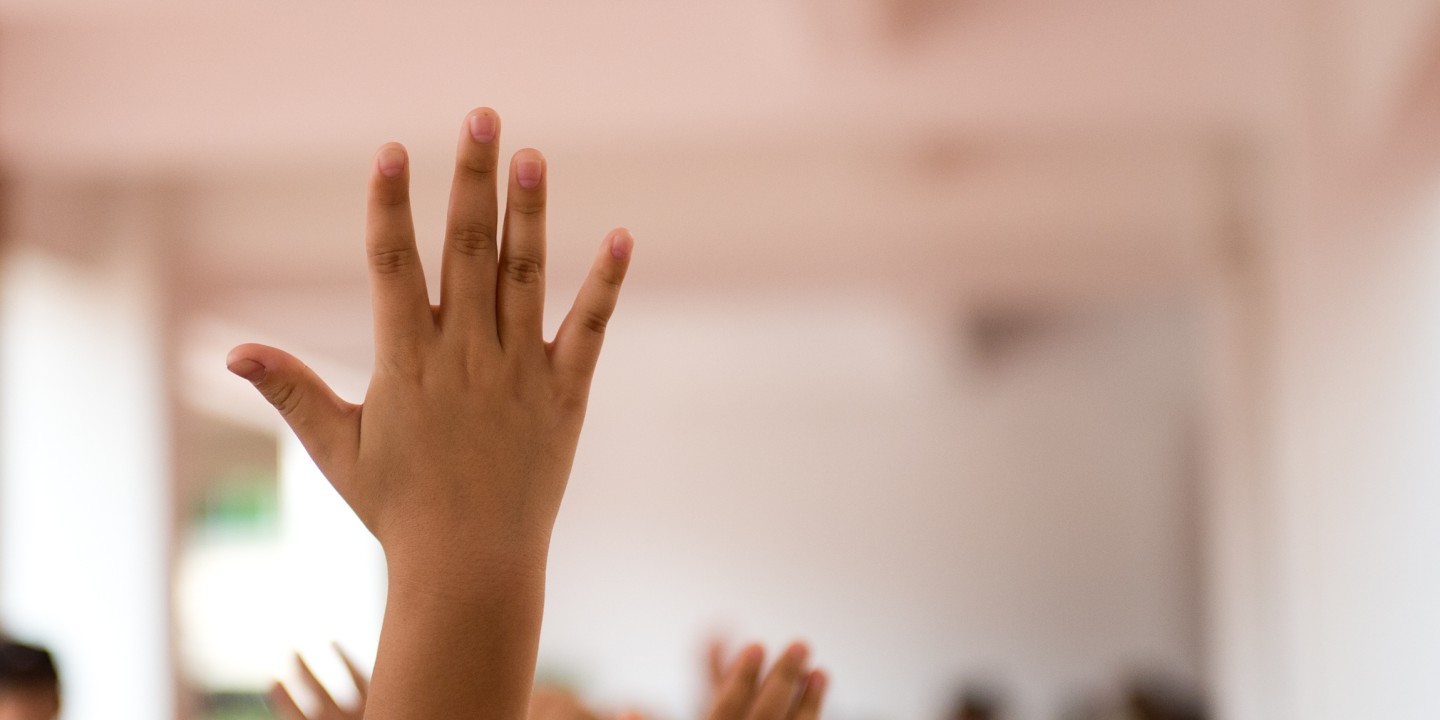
x=84 y=483
x=246 y=603
x=831 y=466
x=843 y=467
x=1358 y=430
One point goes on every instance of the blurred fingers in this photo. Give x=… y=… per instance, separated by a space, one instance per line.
x=578 y=342
x=397 y=284
x=520 y=297
x=737 y=689
x=812 y=697
x=283 y=704
x=781 y=686
x=328 y=706
x=362 y=683
x=467 y=284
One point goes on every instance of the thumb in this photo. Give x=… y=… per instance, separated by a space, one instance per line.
x=324 y=423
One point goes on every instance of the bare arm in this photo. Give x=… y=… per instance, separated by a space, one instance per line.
x=459 y=456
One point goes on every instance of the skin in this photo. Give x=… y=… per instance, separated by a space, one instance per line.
x=459 y=456
x=29 y=704
x=789 y=691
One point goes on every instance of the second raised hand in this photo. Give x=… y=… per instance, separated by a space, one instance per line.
x=790 y=691
x=459 y=456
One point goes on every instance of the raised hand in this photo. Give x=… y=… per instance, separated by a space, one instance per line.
x=459 y=456
x=468 y=430
x=790 y=691
x=285 y=705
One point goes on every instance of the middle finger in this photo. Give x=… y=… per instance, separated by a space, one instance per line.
x=467 y=270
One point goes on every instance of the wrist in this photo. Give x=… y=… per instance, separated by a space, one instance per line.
x=462 y=568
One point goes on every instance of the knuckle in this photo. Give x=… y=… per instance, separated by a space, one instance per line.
x=478 y=166
x=285 y=397
x=522 y=269
x=528 y=204
x=474 y=238
x=387 y=261
x=391 y=197
x=611 y=281
x=595 y=321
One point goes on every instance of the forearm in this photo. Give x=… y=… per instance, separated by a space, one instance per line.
x=459 y=642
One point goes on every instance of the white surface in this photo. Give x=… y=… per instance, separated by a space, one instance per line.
x=833 y=467
x=246 y=605
x=84 y=493
x=1358 y=418
x=825 y=466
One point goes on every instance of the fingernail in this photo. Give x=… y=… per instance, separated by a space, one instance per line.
x=391 y=161
x=797 y=652
x=527 y=172
x=249 y=369
x=482 y=127
x=752 y=655
x=621 y=245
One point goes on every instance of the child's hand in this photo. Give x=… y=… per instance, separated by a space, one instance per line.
x=790 y=691
x=285 y=705
x=459 y=456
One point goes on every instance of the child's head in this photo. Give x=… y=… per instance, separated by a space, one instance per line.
x=29 y=685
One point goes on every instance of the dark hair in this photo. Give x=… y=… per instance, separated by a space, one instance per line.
x=975 y=703
x=26 y=667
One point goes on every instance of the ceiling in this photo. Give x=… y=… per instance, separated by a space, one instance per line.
x=953 y=150
x=162 y=83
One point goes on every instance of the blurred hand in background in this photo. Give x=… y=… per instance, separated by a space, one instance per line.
x=791 y=690
x=327 y=708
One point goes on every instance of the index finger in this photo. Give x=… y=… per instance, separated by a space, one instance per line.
x=321 y=693
x=397 y=284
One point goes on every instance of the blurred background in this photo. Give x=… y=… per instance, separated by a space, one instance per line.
x=1031 y=349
